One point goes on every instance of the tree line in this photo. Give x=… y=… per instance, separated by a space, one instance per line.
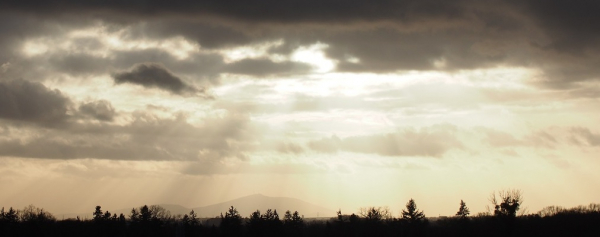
x=502 y=219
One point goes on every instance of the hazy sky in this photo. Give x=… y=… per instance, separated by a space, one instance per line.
x=345 y=104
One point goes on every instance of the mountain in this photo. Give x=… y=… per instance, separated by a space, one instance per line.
x=244 y=205
x=247 y=205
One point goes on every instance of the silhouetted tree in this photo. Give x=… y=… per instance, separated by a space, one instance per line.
x=293 y=224
x=413 y=219
x=107 y=216
x=255 y=224
x=9 y=222
x=191 y=223
x=267 y=224
x=159 y=214
x=412 y=214
x=508 y=204
x=231 y=222
x=193 y=218
x=293 y=219
x=376 y=214
x=97 y=214
x=145 y=214
x=33 y=214
x=11 y=216
x=36 y=221
x=463 y=210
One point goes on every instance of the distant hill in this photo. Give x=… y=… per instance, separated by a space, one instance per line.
x=247 y=205
x=244 y=205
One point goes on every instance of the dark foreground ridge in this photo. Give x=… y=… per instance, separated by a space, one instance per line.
x=149 y=221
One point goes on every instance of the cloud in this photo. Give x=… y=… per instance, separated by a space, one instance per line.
x=263 y=67
x=558 y=38
x=500 y=139
x=583 y=136
x=434 y=141
x=154 y=75
x=101 y=110
x=285 y=147
x=146 y=137
x=326 y=145
x=23 y=100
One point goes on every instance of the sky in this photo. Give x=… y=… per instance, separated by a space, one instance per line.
x=344 y=104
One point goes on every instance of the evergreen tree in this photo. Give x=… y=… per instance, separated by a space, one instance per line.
x=98 y=215
x=463 y=210
x=11 y=216
x=134 y=216
x=145 y=214
x=193 y=218
x=412 y=214
x=294 y=219
x=231 y=222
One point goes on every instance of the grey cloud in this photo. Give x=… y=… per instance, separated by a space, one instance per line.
x=77 y=63
x=264 y=11
x=543 y=139
x=326 y=145
x=558 y=37
x=263 y=67
x=204 y=68
x=154 y=75
x=23 y=100
x=500 y=139
x=100 y=110
x=583 y=136
x=198 y=66
x=208 y=65
x=572 y=25
x=288 y=147
x=145 y=138
x=211 y=168
x=206 y=33
x=434 y=142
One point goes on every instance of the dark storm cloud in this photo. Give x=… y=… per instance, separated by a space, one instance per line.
x=560 y=38
x=22 y=100
x=207 y=34
x=154 y=75
x=270 y=10
x=433 y=142
x=100 y=110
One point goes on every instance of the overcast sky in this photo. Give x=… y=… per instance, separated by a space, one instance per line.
x=345 y=104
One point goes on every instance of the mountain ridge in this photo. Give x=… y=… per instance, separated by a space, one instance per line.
x=245 y=206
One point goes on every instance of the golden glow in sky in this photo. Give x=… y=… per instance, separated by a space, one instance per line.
x=339 y=111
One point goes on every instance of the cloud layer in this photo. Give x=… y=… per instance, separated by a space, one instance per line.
x=384 y=36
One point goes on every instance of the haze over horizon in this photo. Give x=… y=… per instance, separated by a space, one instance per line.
x=342 y=104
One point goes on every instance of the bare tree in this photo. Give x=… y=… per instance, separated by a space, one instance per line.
x=506 y=202
x=375 y=213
